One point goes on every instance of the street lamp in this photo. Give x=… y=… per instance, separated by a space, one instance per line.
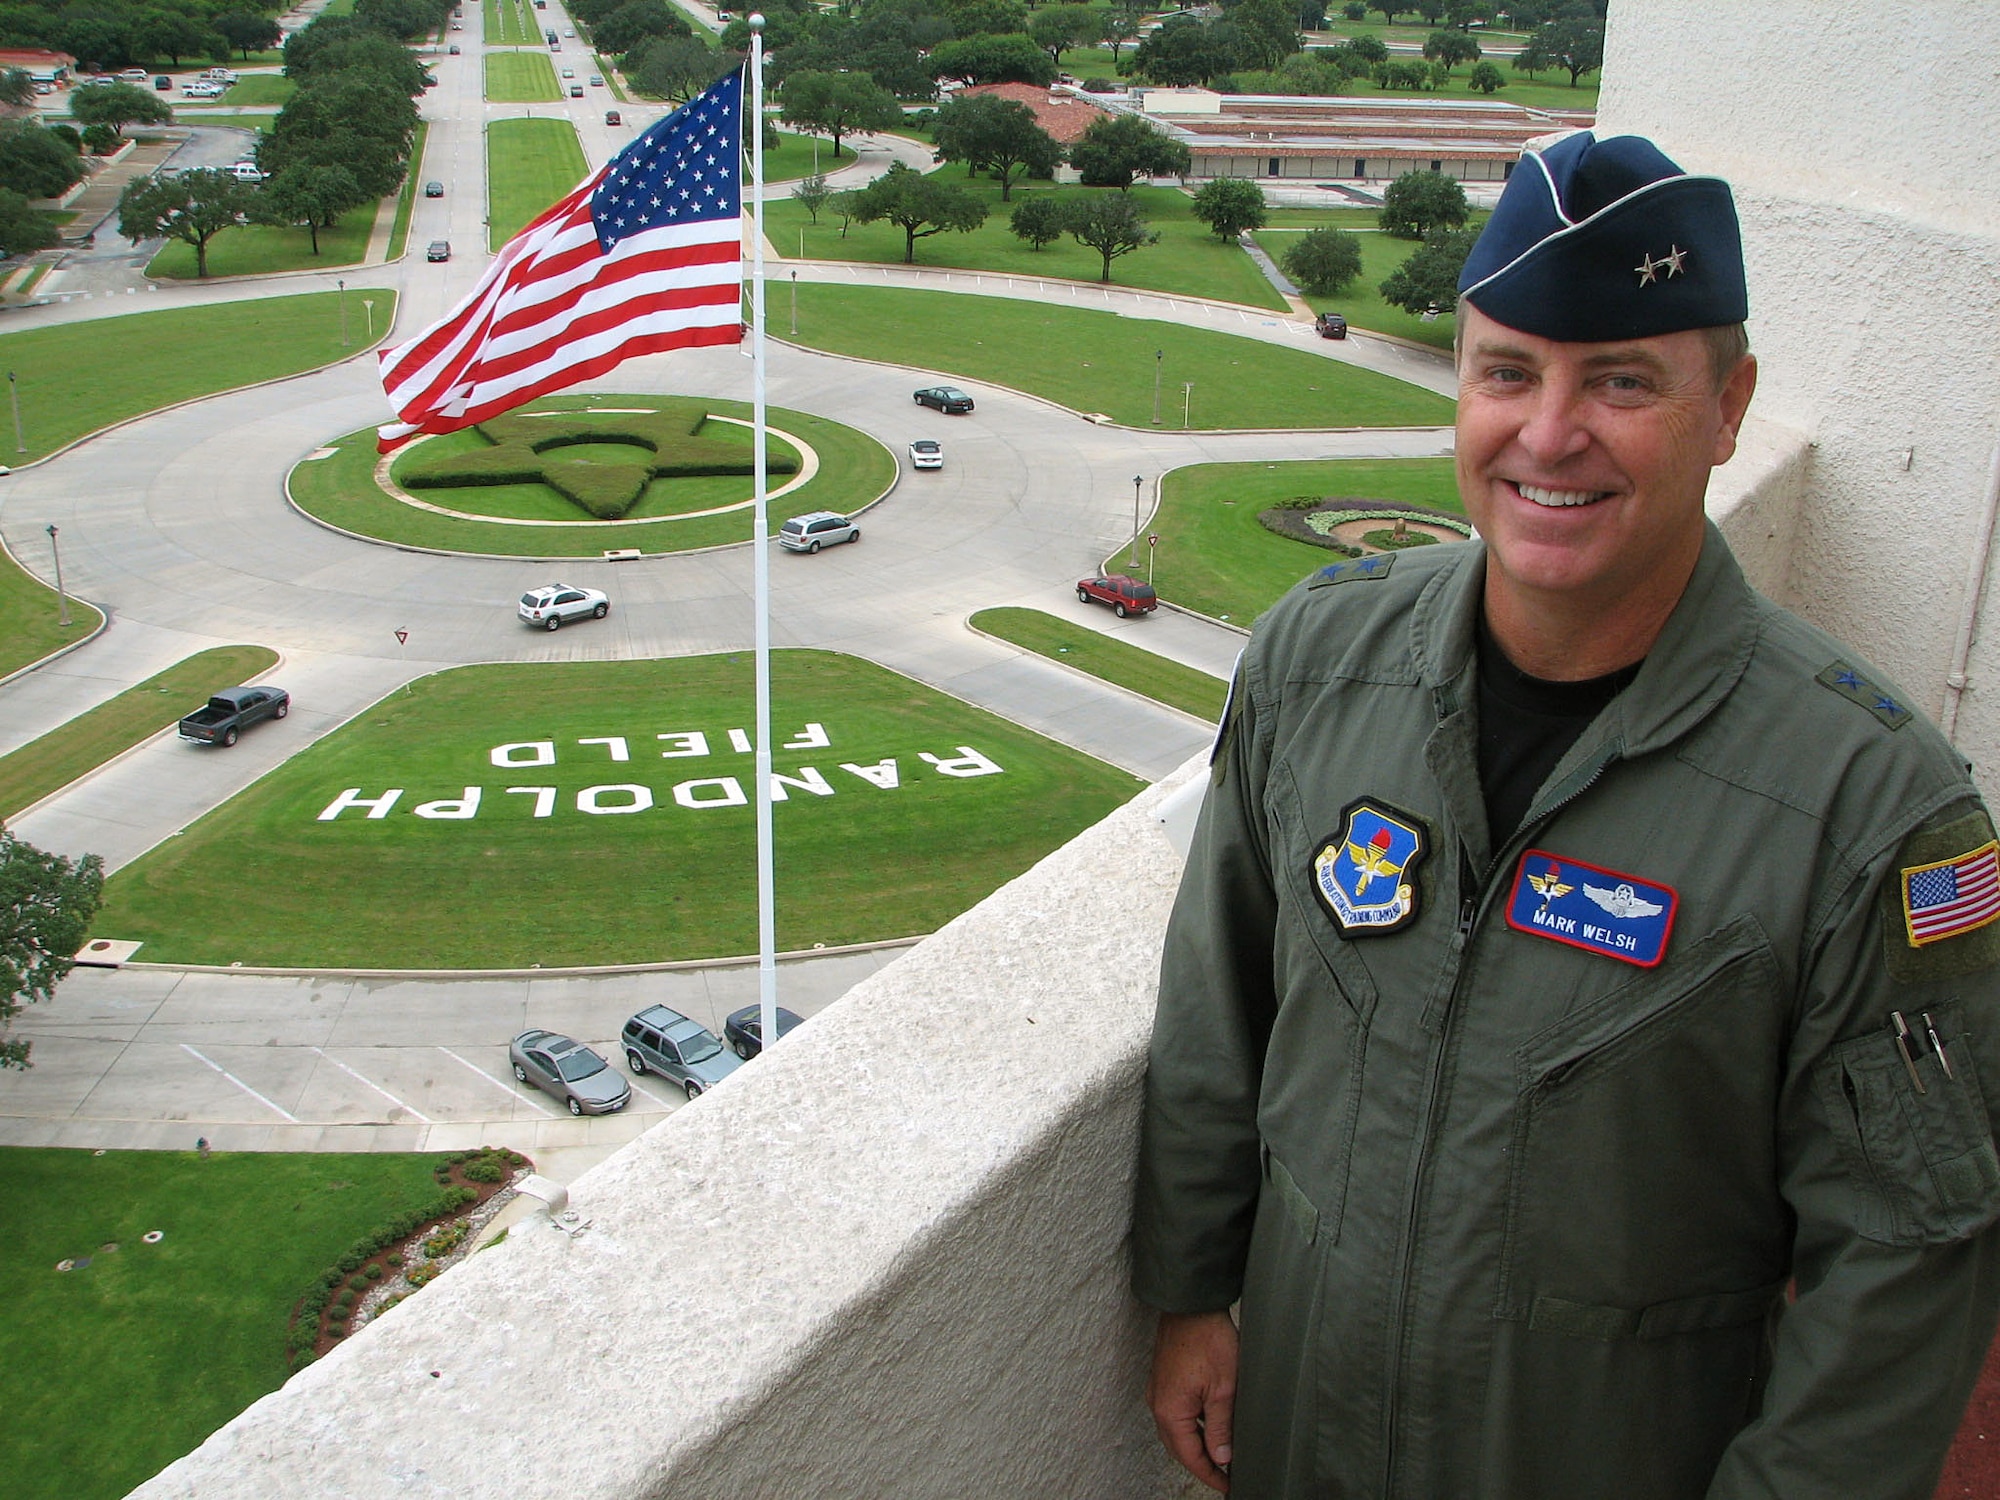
x=343 y=312
x=1187 y=400
x=1159 y=359
x=795 y=304
x=1137 y=481
x=14 y=394
x=62 y=599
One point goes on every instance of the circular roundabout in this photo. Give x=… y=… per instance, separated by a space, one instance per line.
x=582 y=475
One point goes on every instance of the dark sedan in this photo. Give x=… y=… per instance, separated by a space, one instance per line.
x=745 y=1029
x=946 y=398
x=569 y=1070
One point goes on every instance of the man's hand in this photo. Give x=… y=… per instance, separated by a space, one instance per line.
x=1193 y=1392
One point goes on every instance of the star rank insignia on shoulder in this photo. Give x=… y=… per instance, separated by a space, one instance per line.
x=1851 y=685
x=1375 y=565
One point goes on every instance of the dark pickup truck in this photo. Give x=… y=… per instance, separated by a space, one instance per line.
x=232 y=711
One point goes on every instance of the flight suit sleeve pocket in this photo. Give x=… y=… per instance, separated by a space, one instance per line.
x=1915 y=1139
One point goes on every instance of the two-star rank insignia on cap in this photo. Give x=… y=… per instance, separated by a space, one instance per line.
x=1590 y=907
x=1365 y=874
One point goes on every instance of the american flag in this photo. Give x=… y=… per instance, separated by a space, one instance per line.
x=1943 y=900
x=646 y=255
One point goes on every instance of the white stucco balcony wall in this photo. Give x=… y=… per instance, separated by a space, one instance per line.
x=888 y=1258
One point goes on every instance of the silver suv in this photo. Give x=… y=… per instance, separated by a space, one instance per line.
x=816 y=529
x=663 y=1041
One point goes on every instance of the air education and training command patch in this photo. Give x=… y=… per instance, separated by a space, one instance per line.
x=1365 y=874
x=1592 y=908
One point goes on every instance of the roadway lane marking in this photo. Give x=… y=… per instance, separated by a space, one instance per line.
x=507 y=1088
x=241 y=1084
x=406 y=1108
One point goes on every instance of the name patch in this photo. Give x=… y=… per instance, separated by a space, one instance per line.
x=1590 y=907
x=1365 y=873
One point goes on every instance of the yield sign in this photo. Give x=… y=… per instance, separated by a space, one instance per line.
x=402 y=637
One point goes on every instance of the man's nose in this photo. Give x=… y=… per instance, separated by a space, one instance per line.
x=1554 y=429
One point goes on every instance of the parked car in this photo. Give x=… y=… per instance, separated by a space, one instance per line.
x=554 y=603
x=816 y=529
x=164 y=84
x=927 y=453
x=1126 y=596
x=201 y=90
x=434 y=189
x=663 y=1041
x=1331 y=326
x=225 y=716
x=134 y=75
x=569 y=1070
x=745 y=1029
x=453 y=49
x=438 y=250
x=946 y=398
x=612 y=117
x=246 y=171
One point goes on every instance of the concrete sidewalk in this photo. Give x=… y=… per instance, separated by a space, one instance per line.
x=96 y=206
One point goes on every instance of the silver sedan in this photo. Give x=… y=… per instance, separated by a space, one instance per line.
x=569 y=1070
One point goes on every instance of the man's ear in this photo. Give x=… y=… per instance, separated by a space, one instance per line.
x=1737 y=388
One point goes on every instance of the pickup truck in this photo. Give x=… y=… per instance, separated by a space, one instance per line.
x=232 y=711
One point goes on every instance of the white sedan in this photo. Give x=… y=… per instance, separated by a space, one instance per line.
x=927 y=453
x=554 y=603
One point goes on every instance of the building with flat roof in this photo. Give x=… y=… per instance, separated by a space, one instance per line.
x=41 y=65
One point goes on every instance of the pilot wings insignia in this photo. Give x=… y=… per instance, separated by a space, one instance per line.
x=1550 y=887
x=1373 y=859
x=1622 y=901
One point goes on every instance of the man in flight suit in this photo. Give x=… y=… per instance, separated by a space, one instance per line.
x=1578 y=1021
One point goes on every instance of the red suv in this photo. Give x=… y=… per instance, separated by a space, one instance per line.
x=1126 y=596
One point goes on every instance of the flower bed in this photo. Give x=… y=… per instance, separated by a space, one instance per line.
x=1316 y=520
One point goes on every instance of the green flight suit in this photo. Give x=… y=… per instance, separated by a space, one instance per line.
x=1510 y=1217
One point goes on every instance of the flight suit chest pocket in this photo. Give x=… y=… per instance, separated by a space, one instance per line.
x=1914 y=1133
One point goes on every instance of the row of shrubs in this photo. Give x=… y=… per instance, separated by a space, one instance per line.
x=334 y=1285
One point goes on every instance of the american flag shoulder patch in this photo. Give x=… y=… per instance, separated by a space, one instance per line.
x=1948 y=897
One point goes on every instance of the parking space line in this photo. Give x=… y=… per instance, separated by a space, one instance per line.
x=240 y=1084
x=507 y=1088
x=639 y=1088
x=408 y=1109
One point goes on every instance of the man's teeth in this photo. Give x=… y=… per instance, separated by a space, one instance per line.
x=1561 y=497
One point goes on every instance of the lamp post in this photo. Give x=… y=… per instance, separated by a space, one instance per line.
x=62 y=599
x=1159 y=360
x=342 y=285
x=795 y=304
x=14 y=395
x=1187 y=401
x=1138 y=480
x=368 y=307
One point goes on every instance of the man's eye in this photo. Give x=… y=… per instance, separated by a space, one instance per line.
x=1507 y=375
x=1625 y=384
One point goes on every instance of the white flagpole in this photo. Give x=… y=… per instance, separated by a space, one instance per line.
x=760 y=552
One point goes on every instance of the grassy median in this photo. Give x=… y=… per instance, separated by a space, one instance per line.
x=597 y=812
x=1189 y=689
x=520 y=78
x=529 y=165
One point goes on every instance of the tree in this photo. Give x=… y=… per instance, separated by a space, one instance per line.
x=248 y=33
x=1429 y=278
x=996 y=135
x=1230 y=205
x=1039 y=219
x=1487 y=79
x=100 y=140
x=634 y=22
x=1115 y=149
x=1418 y=202
x=1183 y=51
x=992 y=59
x=1462 y=13
x=811 y=194
x=1531 y=59
x=1451 y=48
x=1267 y=32
x=118 y=105
x=34 y=162
x=839 y=104
x=17 y=87
x=985 y=17
x=315 y=196
x=1120 y=27
x=47 y=904
x=1390 y=12
x=1062 y=27
x=166 y=33
x=1324 y=261
x=843 y=206
x=1366 y=49
x=21 y=228
x=1572 y=44
x=679 y=67
x=194 y=208
x=919 y=205
x=1110 y=224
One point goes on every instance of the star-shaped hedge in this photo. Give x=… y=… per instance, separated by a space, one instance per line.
x=528 y=450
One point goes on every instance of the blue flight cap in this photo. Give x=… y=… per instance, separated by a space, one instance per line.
x=1599 y=240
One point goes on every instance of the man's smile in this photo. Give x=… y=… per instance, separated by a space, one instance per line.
x=1552 y=499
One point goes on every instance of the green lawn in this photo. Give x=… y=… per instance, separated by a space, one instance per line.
x=1187 y=260
x=260 y=249
x=111 y=1371
x=341 y=489
x=510 y=24
x=263 y=879
x=406 y=198
x=799 y=156
x=173 y=355
x=259 y=89
x=520 y=78
x=529 y=165
x=1169 y=682
x=33 y=612
x=1099 y=362
x=92 y=738
x=1381 y=254
x=1215 y=557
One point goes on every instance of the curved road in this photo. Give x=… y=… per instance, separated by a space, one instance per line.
x=177 y=525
